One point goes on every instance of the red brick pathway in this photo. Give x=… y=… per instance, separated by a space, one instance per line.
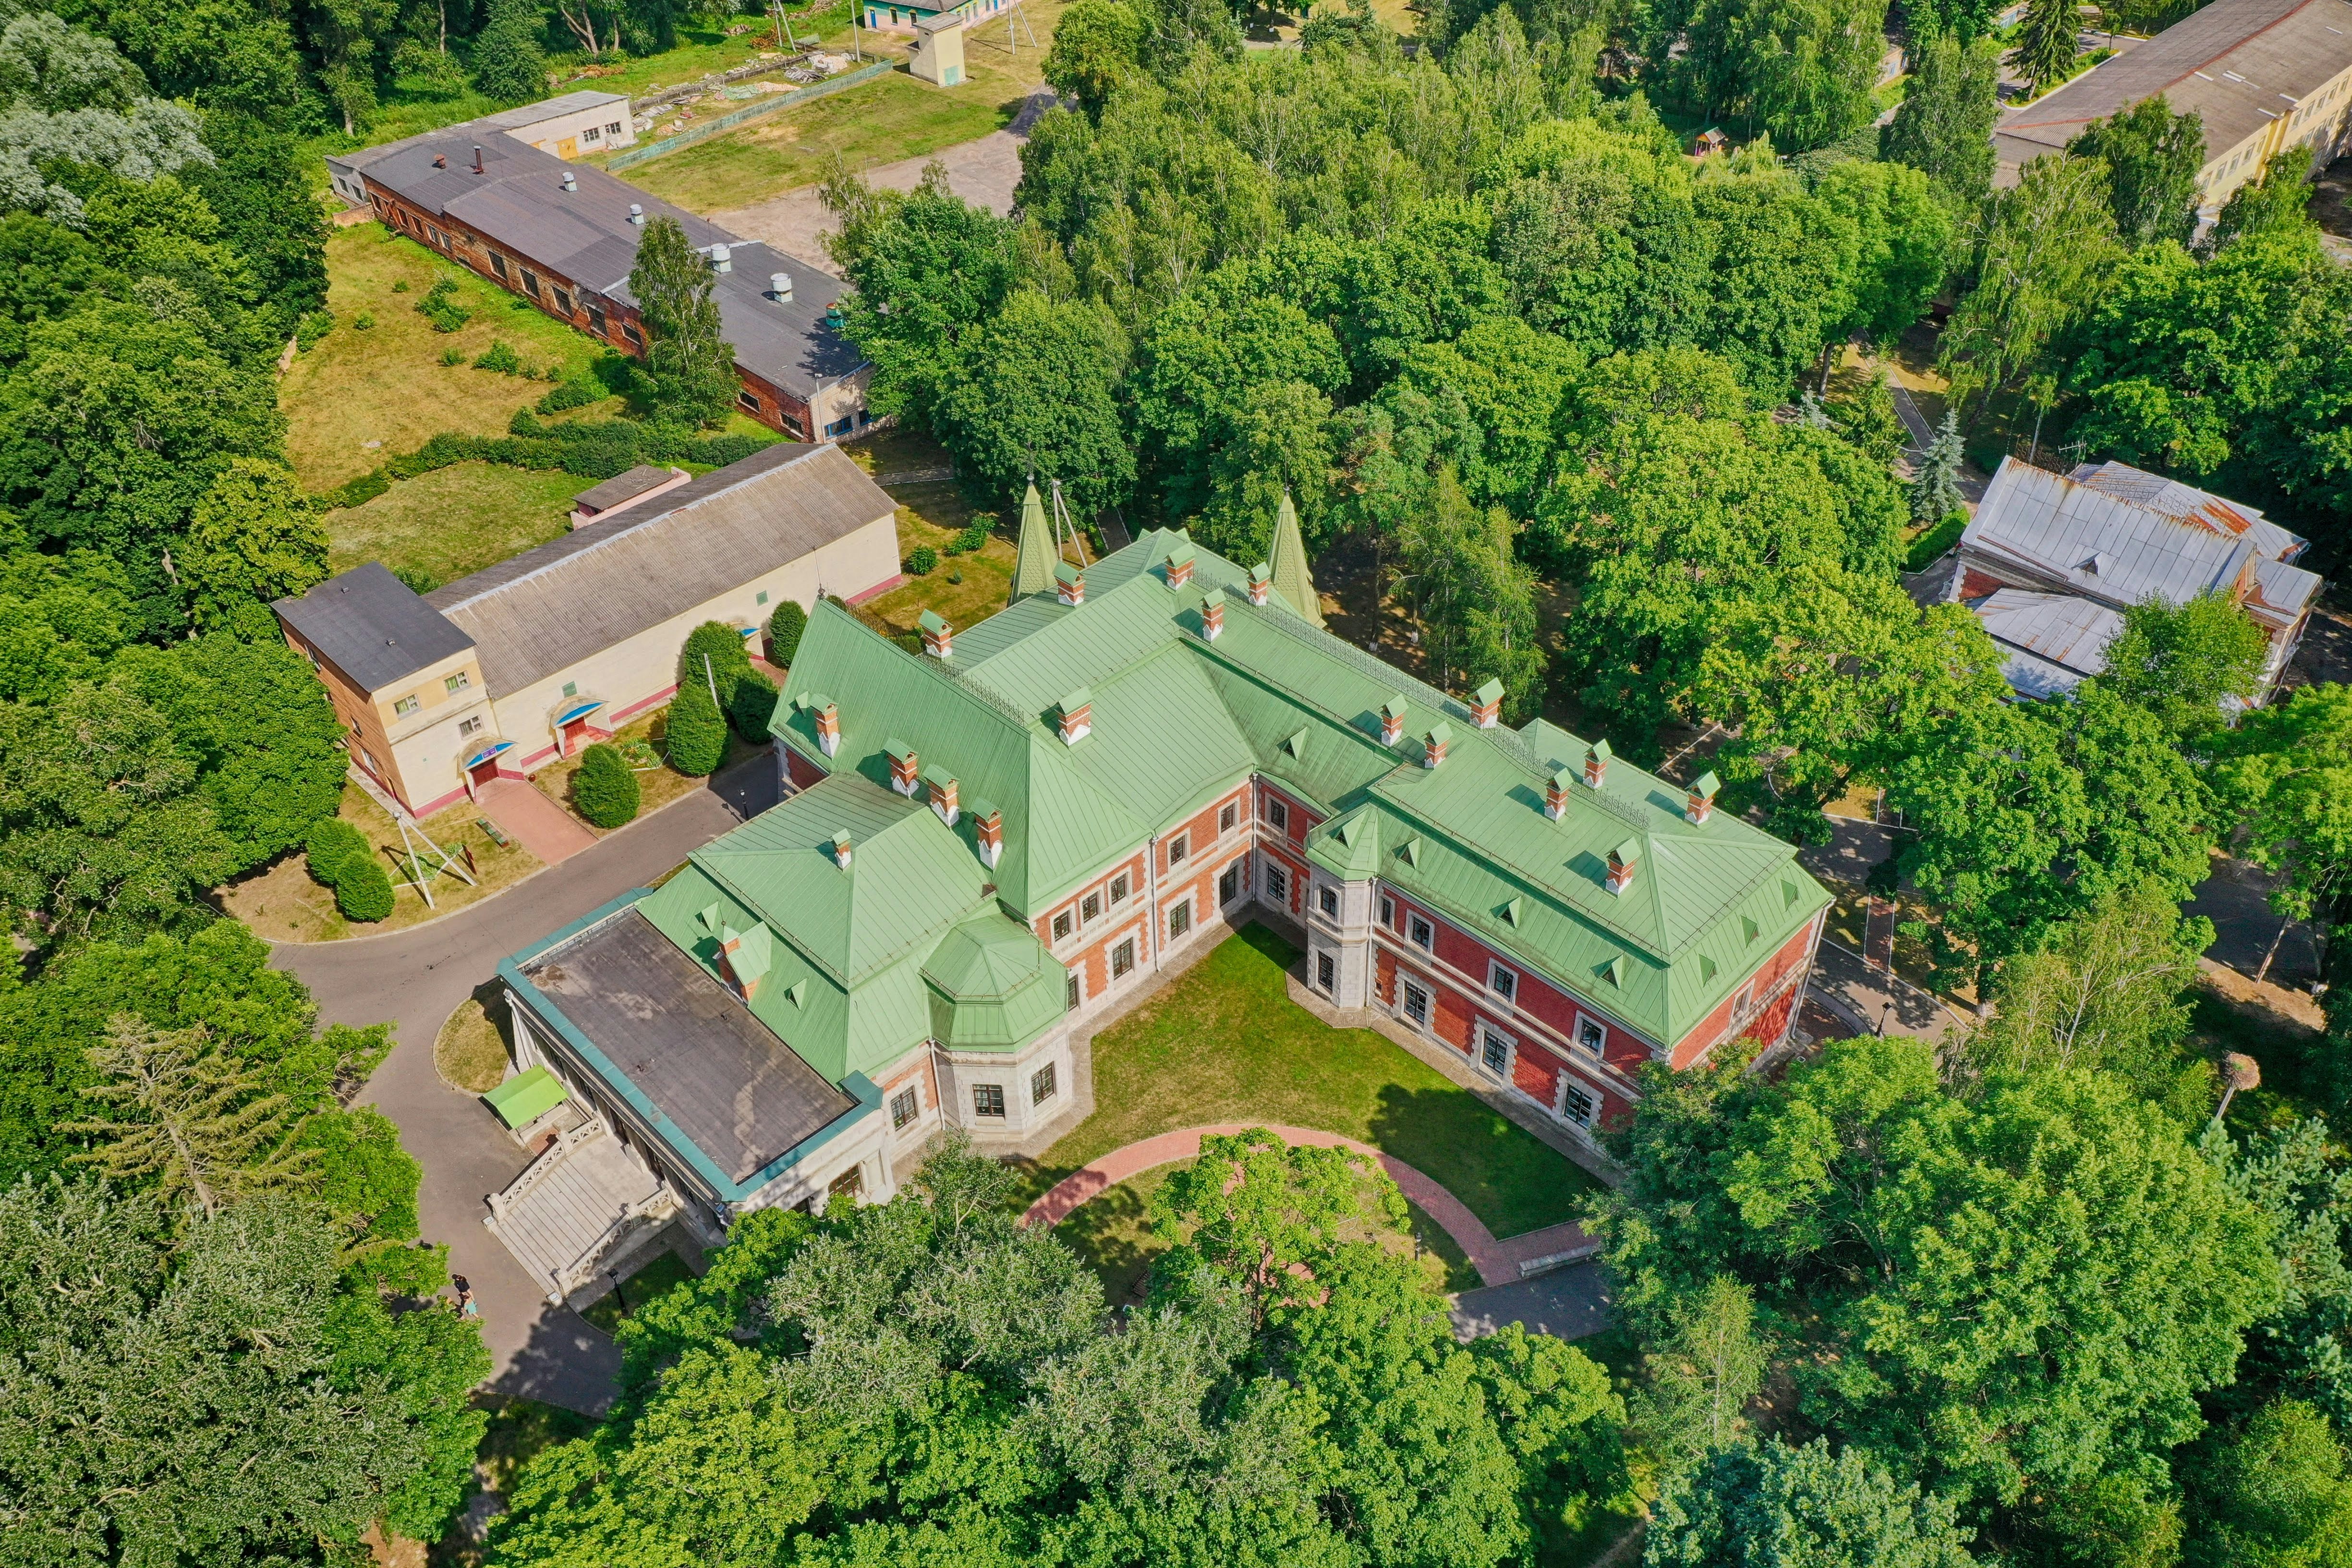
x=1497 y=1262
x=532 y=820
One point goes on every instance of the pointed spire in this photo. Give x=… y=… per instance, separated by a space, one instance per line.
x=1289 y=559
x=1034 y=556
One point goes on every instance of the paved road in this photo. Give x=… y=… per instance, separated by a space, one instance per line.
x=983 y=171
x=415 y=979
x=1568 y=1302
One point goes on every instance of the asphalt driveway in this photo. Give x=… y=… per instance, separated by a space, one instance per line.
x=415 y=979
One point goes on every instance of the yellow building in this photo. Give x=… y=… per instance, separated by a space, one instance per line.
x=2262 y=75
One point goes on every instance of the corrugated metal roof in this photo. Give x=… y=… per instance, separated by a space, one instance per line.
x=2238 y=63
x=2284 y=591
x=553 y=606
x=622 y=487
x=549 y=109
x=370 y=626
x=2061 y=627
x=2187 y=503
x=2096 y=544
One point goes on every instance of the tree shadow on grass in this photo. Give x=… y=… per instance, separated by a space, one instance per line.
x=1500 y=1171
x=1111 y=1232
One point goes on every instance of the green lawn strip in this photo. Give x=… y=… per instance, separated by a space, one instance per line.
x=1225 y=1043
x=453 y=521
x=662 y=1272
x=880 y=121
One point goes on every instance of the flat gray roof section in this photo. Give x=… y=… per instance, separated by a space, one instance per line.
x=685 y=1042
x=2239 y=64
x=623 y=488
x=548 y=109
x=551 y=606
x=370 y=626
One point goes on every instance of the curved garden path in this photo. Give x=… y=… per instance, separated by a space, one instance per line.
x=1497 y=1262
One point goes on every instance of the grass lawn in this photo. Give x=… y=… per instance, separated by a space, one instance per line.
x=1225 y=1043
x=1113 y=1233
x=932 y=512
x=660 y=1273
x=470 y=1053
x=880 y=121
x=281 y=903
x=387 y=384
x=453 y=521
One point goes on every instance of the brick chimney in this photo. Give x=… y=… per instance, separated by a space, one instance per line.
x=1180 y=561
x=745 y=956
x=1486 y=705
x=1077 y=716
x=1596 y=763
x=904 y=766
x=1261 y=583
x=937 y=636
x=1212 y=613
x=1393 y=720
x=941 y=785
x=987 y=830
x=1700 y=805
x=1069 y=583
x=829 y=723
x=841 y=850
x=1556 y=793
x=1621 y=861
x=1433 y=744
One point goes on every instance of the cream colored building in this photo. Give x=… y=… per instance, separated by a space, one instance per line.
x=2262 y=75
x=500 y=673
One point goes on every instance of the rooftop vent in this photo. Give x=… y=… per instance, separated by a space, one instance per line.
x=721 y=260
x=780 y=288
x=570 y=182
x=477 y=157
x=636 y=213
x=440 y=160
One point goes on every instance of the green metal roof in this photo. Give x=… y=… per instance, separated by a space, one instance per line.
x=527 y=1097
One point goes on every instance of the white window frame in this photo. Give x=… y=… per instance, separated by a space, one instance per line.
x=1508 y=992
x=1327 y=901
x=1277 y=815
x=1595 y=1052
x=402 y=707
x=1388 y=911
x=1487 y=1032
x=1406 y=990
x=1422 y=931
x=1570 y=1084
x=1275 y=872
x=1742 y=998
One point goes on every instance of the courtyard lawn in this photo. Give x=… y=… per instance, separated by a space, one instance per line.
x=455 y=520
x=1225 y=1043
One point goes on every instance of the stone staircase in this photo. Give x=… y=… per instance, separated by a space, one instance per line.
x=574 y=1206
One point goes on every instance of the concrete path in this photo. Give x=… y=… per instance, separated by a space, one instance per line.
x=983 y=172
x=526 y=815
x=415 y=979
x=1497 y=1262
x=1569 y=1304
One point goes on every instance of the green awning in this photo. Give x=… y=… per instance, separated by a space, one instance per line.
x=527 y=1097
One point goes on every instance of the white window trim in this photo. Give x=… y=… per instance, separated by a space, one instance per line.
x=1192 y=917
x=1590 y=1090
x=1496 y=966
x=1410 y=920
x=1429 y=998
x=1179 y=849
x=1388 y=911
x=1326 y=890
x=1486 y=1031
x=1576 y=1035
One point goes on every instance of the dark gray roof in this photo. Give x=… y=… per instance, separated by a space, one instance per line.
x=551 y=606
x=2239 y=64
x=622 y=487
x=369 y=625
x=686 y=1043
x=585 y=235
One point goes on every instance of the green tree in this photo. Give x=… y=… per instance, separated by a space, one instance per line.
x=510 y=63
x=200 y=1392
x=1943 y=126
x=2278 y=203
x=363 y=891
x=2048 y=39
x=604 y=791
x=2276 y=1493
x=2182 y=662
x=1564 y=1422
x=1036 y=394
x=714 y=656
x=252 y=537
x=1258 y=1209
x=691 y=366
x=190 y=1116
x=753 y=708
x=1747 y=1506
x=2297 y=1174
x=267 y=215
x=2047 y=251
x=2287 y=775
x=785 y=629
x=1936 y=488
x=1277 y=443
x=1784 y=277
x=1699 y=1379
x=695 y=738
x=1097 y=44
x=330 y=843
x=102 y=830
x=2152 y=157
x=1808 y=68
x=1903 y=240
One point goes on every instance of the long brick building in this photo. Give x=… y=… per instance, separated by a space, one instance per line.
x=984 y=845
x=563 y=236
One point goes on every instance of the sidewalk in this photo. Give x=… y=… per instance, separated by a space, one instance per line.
x=532 y=820
x=1867 y=998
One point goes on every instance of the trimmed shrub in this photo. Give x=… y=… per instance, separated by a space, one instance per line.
x=696 y=739
x=753 y=706
x=359 y=492
x=331 y=844
x=604 y=791
x=1930 y=546
x=572 y=395
x=785 y=628
x=364 y=892
x=923 y=561
x=973 y=536
x=500 y=357
x=364 y=322
x=416 y=579
x=723 y=645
